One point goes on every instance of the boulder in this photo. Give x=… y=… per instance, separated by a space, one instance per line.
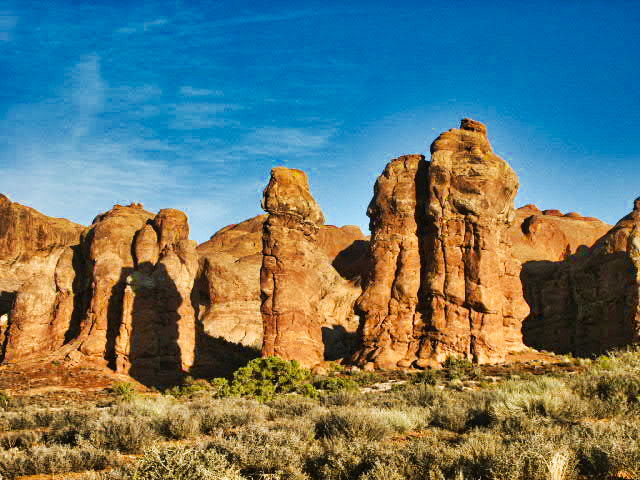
x=536 y=236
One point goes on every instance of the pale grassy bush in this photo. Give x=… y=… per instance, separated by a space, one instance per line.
x=57 y=459
x=179 y=463
x=124 y=434
x=258 y=450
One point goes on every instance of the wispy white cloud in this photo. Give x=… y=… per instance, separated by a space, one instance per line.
x=8 y=22
x=200 y=115
x=188 y=91
x=142 y=27
x=274 y=141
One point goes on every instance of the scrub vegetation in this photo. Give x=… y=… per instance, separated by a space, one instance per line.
x=274 y=420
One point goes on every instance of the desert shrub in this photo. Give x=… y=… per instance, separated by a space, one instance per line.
x=365 y=379
x=179 y=423
x=23 y=439
x=334 y=384
x=353 y=424
x=426 y=377
x=515 y=400
x=258 y=450
x=179 y=463
x=340 y=398
x=189 y=388
x=422 y=395
x=342 y=459
x=124 y=391
x=229 y=416
x=5 y=399
x=456 y=366
x=456 y=414
x=609 y=449
x=292 y=406
x=124 y=434
x=47 y=460
x=263 y=378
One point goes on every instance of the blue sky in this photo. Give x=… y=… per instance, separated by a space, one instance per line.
x=189 y=105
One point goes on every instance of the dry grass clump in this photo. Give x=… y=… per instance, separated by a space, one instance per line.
x=55 y=459
x=178 y=463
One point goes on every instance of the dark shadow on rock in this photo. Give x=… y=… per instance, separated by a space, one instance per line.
x=584 y=305
x=7 y=300
x=114 y=315
x=154 y=352
x=338 y=343
x=214 y=356
x=353 y=262
x=80 y=296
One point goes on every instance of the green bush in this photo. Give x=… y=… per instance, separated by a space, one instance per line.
x=5 y=400
x=457 y=366
x=263 y=378
x=335 y=384
x=425 y=377
x=189 y=388
x=124 y=390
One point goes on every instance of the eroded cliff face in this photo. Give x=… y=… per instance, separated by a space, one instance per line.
x=229 y=280
x=389 y=301
x=589 y=302
x=443 y=279
x=303 y=296
x=33 y=251
x=122 y=296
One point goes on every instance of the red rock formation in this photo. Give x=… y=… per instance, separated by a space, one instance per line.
x=32 y=252
x=389 y=300
x=589 y=302
x=230 y=289
x=552 y=237
x=443 y=281
x=302 y=294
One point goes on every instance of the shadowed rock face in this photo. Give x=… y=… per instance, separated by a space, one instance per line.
x=443 y=279
x=301 y=292
x=587 y=303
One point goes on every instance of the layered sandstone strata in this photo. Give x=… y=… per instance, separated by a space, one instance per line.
x=304 y=299
x=589 y=302
x=443 y=279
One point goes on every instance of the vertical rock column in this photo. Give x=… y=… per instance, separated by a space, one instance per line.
x=388 y=303
x=289 y=283
x=470 y=278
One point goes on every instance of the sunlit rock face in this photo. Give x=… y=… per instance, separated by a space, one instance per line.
x=304 y=298
x=34 y=293
x=589 y=302
x=444 y=280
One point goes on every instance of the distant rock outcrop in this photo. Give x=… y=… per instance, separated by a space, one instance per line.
x=443 y=279
x=589 y=302
x=539 y=236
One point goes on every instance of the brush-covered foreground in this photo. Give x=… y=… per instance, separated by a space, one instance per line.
x=274 y=420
